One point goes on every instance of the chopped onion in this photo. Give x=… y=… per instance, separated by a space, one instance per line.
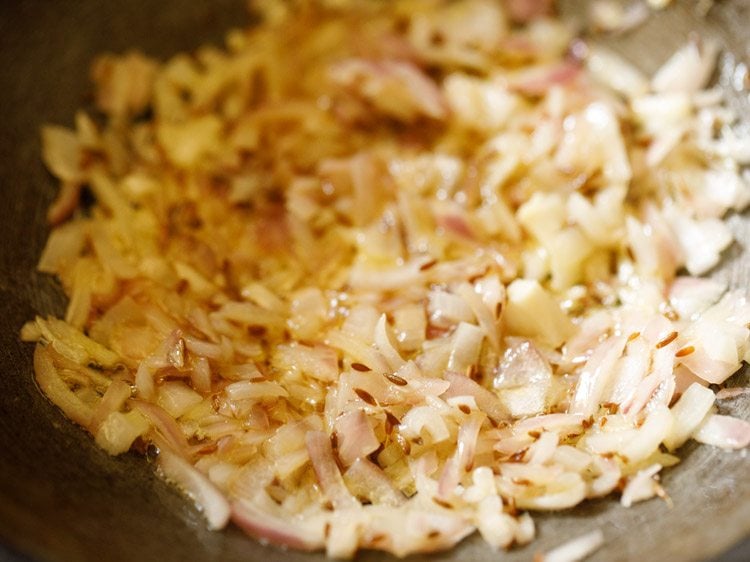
x=118 y=431
x=654 y=430
x=273 y=529
x=576 y=549
x=356 y=438
x=164 y=424
x=595 y=376
x=688 y=69
x=48 y=379
x=62 y=153
x=330 y=479
x=688 y=412
x=378 y=277
x=723 y=431
x=641 y=486
x=396 y=88
x=488 y=402
x=729 y=393
x=177 y=398
x=367 y=480
x=615 y=72
x=212 y=503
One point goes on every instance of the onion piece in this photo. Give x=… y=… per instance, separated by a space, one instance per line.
x=654 y=430
x=118 y=431
x=523 y=378
x=65 y=203
x=726 y=432
x=177 y=398
x=548 y=422
x=482 y=313
x=576 y=549
x=396 y=88
x=275 y=529
x=568 y=490
x=62 y=153
x=532 y=312
x=489 y=403
x=595 y=376
x=414 y=528
x=424 y=418
x=207 y=497
x=366 y=479
x=74 y=344
x=608 y=478
x=447 y=309
x=497 y=528
x=688 y=69
x=662 y=371
x=465 y=347
x=319 y=362
x=57 y=391
x=386 y=346
x=524 y=11
x=355 y=436
x=327 y=472
x=543 y=448
x=463 y=458
x=164 y=424
x=144 y=381
x=641 y=487
x=255 y=390
x=114 y=398
x=729 y=393
x=200 y=375
x=689 y=411
x=538 y=80
x=690 y=296
x=616 y=73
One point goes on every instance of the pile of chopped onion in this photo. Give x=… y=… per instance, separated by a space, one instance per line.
x=381 y=275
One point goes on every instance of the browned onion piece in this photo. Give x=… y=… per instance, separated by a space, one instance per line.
x=49 y=381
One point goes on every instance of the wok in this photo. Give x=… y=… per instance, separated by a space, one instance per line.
x=62 y=498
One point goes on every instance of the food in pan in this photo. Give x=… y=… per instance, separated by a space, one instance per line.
x=381 y=275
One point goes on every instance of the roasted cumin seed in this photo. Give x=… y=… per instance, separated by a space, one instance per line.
x=611 y=407
x=518 y=455
x=365 y=396
x=427 y=265
x=256 y=331
x=395 y=379
x=521 y=481
x=666 y=341
x=360 y=367
x=442 y=503
x=391 y=421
